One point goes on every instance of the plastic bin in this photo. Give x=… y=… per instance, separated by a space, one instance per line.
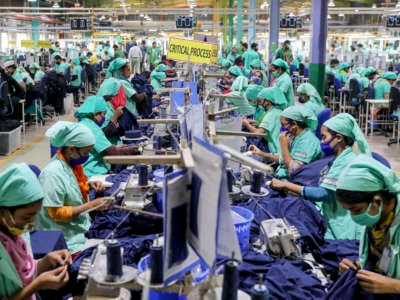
x=10 y=141
x=242 y=218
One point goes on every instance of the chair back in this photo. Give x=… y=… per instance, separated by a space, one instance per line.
x=322 y=117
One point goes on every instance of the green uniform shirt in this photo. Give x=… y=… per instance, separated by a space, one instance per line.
x=115 y=140
x=315 y=106
x=381 y=87
x=77 y=70
x=305 y=148
x=340 y=224
x=38 y=75
x=284 y=83
x=271 y=122
x=95 y=165
x=10 y=282
x=155 y=79
x=60 y=68
x=61 y=189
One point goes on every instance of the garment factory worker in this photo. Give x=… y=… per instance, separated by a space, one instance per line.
x=154 y=55
x=299 y=144
x=343 y=72
x=36 y=72
x=310 y=97
x=238 y=98
x=59 y=66
x=257 y=66
x=114 y=94
x=370 y=192
x=232 y=73
x=76 y=80
x=251 y=95
x=92 y=115
x=158 y=75
x=250 y=55
x=285 y=53
x=339 y=134
x=283 y=82
x=383 y=84
x=11 y=68
x=297 y=62
x=21 y=276
x=272 y=99
x=120 y=69
x=333 y=66
x=64 y=183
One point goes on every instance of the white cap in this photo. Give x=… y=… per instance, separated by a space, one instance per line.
x=9 y=63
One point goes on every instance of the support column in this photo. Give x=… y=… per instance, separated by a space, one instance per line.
x=231 y=24
x=239 y=27
x=274 y=11
x=318 y=44
x=252 y=23
x=35 y=26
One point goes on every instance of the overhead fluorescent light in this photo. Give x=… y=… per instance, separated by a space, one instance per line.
x=331 y=3
x=31 y=0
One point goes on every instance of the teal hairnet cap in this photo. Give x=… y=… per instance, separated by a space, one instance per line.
x=63 y=134
x=109 y=87
x=240 y=84
x=161 y=68
x=274 y=95
x=310 y=90
x=115 y=65
x=235 y=70
x=252 y=91
x=54 y=48
x=19 y=186
x=343 y=66
x=346 y=125
x=301 y=114
x=280 y=63
x=365 y=174
x=76 y=61
x=389 y=75
x=368 y=71
x=92 y=105
x=256 y=63
x=34 y=66
x=299 y=57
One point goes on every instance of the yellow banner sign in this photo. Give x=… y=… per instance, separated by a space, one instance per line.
x=27 y=44
x=12 y=42
x=44 y=44
x=192 y=51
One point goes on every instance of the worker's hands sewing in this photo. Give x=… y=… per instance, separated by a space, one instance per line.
x=255 y=149
x=97 y=185
x=55 y=258
x=347 y=264
x=117 y=113
x=101 y=204
x=375 y=283
x=277 y=184
x=53 y=279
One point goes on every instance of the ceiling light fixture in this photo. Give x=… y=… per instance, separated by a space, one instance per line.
x=398 y=4
x=331 y=3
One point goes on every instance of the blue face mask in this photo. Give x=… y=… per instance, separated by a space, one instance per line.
x=326 y=147
x=283 y=129
x=101 y=122
x=78 y=161
x=365 y=218
x=256 y=80
x=301 y=100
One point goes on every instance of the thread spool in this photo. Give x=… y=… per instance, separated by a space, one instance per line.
x=230 y=180
x=156 y=142
x=259 y=291
x=142 y=171
x=256 y=182
x=231 y=281
x=114 y=258
x=156 y=265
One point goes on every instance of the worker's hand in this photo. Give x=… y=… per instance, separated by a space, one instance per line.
x=375 y=283
x=156 y=97
x=284 y=138
x=97 y=185
x=53 y=279
x=245 y=121
x=55 y=258
x=117 y=113
x=101 y=204
x=255 y=150
x=277 y=184
x=346 y=264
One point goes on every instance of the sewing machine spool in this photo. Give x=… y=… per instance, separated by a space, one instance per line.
x=114 y=259
x=232 y=189
x=142 y=172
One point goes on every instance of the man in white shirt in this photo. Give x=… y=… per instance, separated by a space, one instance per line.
x=135 y=57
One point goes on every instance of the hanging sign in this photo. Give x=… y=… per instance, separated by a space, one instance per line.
x=192 y=51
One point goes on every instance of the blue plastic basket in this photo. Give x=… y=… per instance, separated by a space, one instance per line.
x=242 y=227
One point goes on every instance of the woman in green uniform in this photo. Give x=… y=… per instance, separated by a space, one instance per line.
x=280 y=70
x=21 y=276
x=383 y=84
x=157 y=75
x=238 y=98
x=343 y=72
x=251 y=95
x=370 y=192
x=310 y=97
x=338 y=136
x=299 y=145
x=92 y=115
x=272 y=99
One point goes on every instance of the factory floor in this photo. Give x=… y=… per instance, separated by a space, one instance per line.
x=35 y=148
